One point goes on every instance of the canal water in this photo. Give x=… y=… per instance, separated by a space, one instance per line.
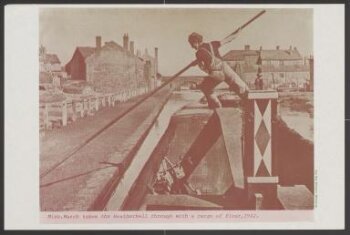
x=177 y=101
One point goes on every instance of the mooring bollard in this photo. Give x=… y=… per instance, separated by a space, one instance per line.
x=260 y=111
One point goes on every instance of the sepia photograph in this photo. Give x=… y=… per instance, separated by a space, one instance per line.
x=208 y=116
x=213 y=112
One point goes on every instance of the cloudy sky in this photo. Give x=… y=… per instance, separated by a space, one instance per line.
x=63 y=29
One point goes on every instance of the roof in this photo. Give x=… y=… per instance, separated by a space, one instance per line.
x=86 y=51
x=50 y=59
x=280 y=55
x=235 y=55
x=271 y=68
x=239 y=54
x=112 y=45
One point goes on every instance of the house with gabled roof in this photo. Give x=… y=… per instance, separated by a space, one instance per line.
x=112 y=67
x=76 y=67
x=278 y=66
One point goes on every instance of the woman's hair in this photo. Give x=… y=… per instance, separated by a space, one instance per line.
x=195 y=37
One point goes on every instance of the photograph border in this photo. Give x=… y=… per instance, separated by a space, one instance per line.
x=346 y=118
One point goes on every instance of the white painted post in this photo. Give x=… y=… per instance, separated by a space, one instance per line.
x=103 y=102
x=85 y=108
x=90 y=107
x=82 y=108
x=113 y=100
x=96 y=103
x=109 y=100
x=74 y=114
x=64 y=114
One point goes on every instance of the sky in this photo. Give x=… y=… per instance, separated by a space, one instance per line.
x=61 y=30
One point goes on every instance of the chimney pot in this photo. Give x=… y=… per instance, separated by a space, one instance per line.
x=98 y=42
x=277 y=47
x=126 y=42
x=247 y=47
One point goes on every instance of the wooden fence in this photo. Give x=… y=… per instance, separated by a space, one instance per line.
x=72 y=108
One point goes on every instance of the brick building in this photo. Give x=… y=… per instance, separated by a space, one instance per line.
x=111 y=67
x=278 y=67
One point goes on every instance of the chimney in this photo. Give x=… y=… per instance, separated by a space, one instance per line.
x=260 y=48
x=126 y=42
x=98 y=42
x=277 y=47
x=247 y=47
x=156 y=61
x=290 y=48
x=132 y=49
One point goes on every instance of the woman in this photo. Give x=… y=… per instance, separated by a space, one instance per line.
x=210 y=61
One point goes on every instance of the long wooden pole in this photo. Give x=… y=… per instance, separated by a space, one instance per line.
x=247 y=23
x=193 y=63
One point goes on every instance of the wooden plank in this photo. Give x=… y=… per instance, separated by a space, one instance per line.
x=231 y=128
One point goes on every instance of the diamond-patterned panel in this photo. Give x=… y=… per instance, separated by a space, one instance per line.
x=262 y=104
x=262 y=137
x=262 y=170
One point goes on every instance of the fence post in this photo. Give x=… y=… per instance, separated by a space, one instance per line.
x=103 y=101
x=82 y=108
x=90 y=107
x=113 y=100
x=74 y=115
x=123 y=96
x=96 y=103
x=64 y=113
x=109 y=100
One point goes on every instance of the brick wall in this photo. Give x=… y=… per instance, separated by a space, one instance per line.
x=113 y=70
